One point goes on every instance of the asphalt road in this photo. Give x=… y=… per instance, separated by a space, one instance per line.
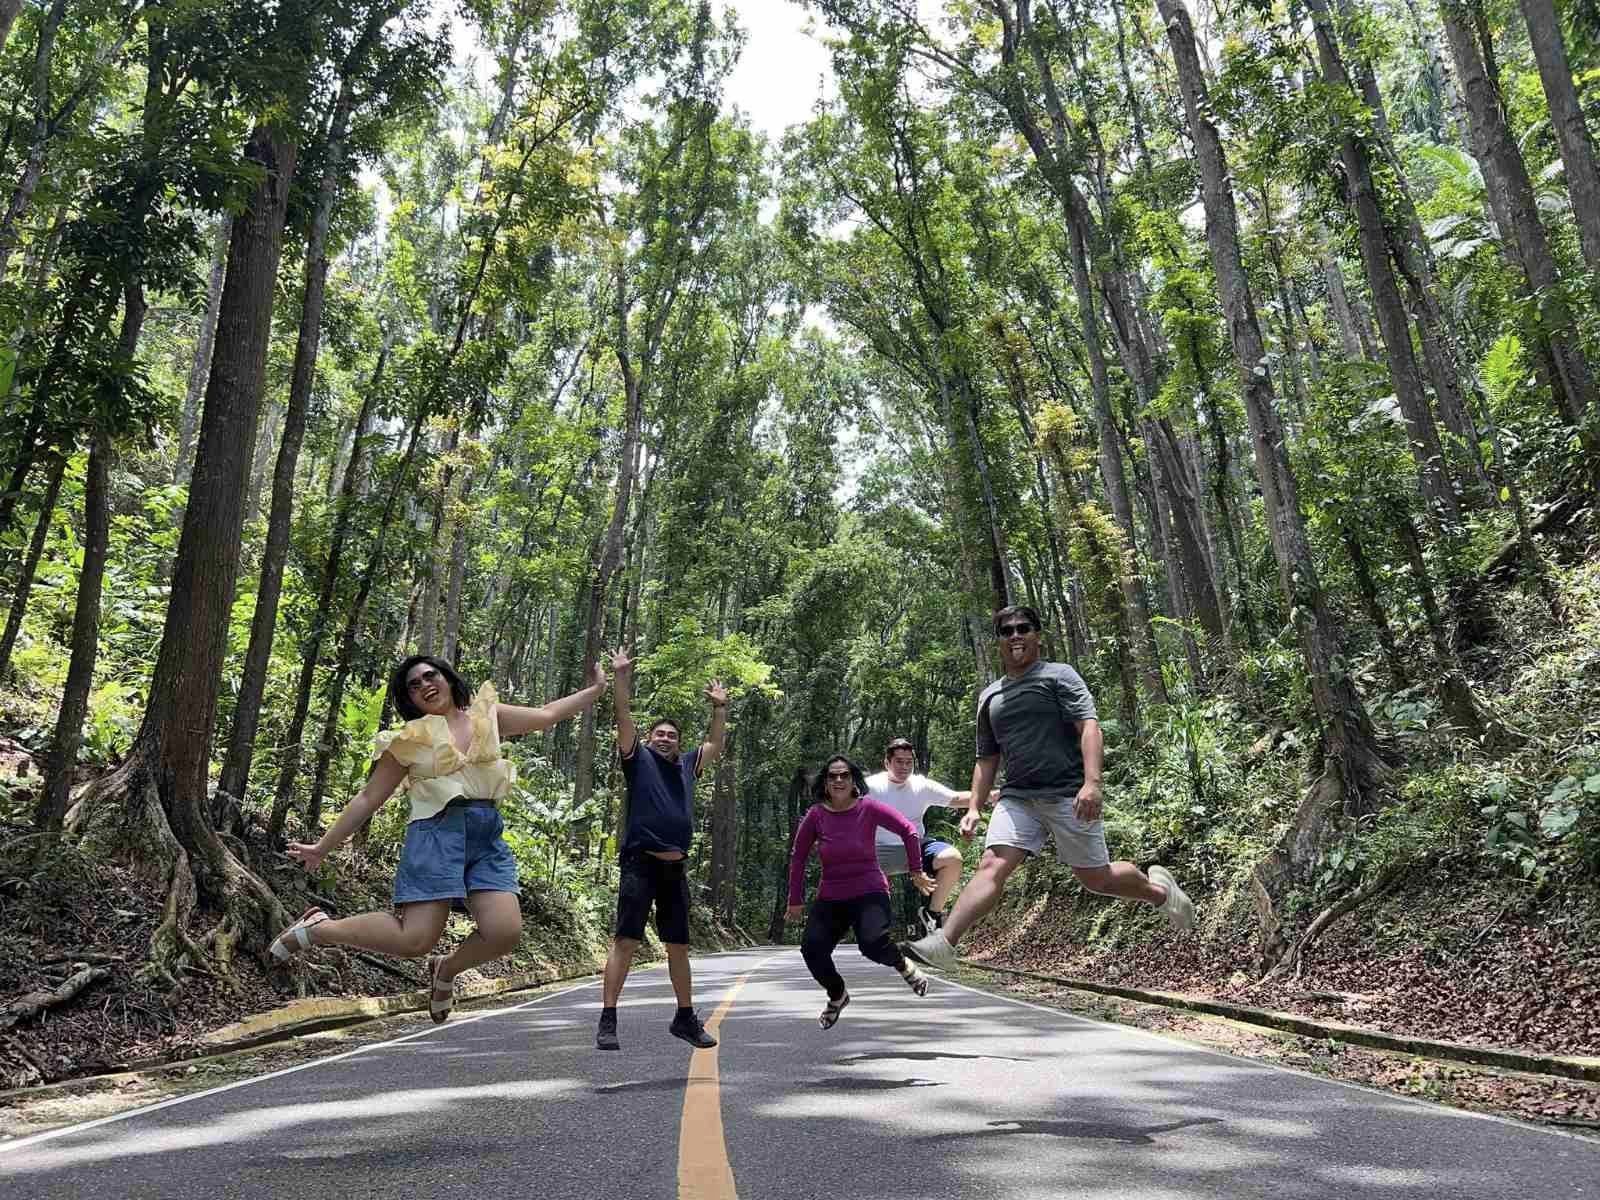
x=958 y=1094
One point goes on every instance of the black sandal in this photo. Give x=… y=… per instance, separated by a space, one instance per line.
x=830 y=1014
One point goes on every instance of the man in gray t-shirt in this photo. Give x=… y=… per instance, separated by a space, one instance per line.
x=1039 y=719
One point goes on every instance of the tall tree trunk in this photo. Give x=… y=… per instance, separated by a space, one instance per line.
x=724 y=837
x=52 y=807
x=8 y=14
x=1352 y=339
x=1361 y=192
x=1183 y=508
x=1566 y=115
x=999 y=570
x=1367 y=587
x=154 y=805
x=1495 y=145
x=611 y=545
x=201 y=367
x=27 y=450
x=784 y=840
x=68 y=735
x=311 y=651
x=311 y=648
x=1442 y=355
x=1348 y=738
x=30 y=563
x=458 y=572
x=1112 y=474
x=275 y=553
x=33 y=169
x=1453 y=690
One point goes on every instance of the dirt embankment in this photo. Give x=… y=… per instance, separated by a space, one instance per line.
x=1442 y=956
x=64 y=915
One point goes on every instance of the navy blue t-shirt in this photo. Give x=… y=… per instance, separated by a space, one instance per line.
x=660 y=800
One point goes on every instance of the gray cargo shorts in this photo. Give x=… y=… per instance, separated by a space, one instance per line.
x=1026 y=823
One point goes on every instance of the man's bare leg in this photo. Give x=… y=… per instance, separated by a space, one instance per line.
x=1122 y=880
x=984 y=890
x=946 y=878
x=617 y=963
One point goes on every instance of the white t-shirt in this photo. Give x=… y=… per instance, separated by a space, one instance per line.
x=911 y=799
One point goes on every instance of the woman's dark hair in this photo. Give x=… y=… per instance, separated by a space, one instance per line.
x=819 y=785
x=400 y=694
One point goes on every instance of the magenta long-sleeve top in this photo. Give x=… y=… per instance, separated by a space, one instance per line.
x=845 y=840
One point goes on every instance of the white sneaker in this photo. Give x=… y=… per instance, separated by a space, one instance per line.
x=932 y=951
x=1179 y=909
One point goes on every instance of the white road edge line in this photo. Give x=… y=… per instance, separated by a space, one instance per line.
x=1431 y=1105
x=35 y=1138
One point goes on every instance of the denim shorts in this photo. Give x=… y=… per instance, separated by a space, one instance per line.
x=460 y=850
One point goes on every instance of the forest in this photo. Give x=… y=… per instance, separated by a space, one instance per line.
x=1248 y=343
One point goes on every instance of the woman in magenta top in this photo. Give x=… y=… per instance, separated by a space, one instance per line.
x=854 y=893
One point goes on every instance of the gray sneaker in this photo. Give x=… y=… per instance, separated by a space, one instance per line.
x=933 y=950
x=1179 y=909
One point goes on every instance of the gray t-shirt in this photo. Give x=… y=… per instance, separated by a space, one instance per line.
x=1033 y=721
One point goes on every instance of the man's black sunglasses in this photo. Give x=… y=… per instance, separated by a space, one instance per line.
x=1015 y=630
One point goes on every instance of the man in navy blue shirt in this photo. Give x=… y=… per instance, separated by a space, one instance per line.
x=655 y=849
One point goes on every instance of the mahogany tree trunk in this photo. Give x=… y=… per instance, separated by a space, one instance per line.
x=30 y=563
x=1566 y=116
x=263 y=625
x=1348 y=737
x=52 y=807
x=161 y=788
x=1495 y=144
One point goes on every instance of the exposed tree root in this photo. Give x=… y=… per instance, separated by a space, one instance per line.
x=25 y=1008
x=1292 y=858
x=171 y=947
x=123 y=815
x=1294 y=959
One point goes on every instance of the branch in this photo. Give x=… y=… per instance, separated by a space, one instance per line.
x=25 y=1008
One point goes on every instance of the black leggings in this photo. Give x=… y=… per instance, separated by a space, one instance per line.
x=868 y=916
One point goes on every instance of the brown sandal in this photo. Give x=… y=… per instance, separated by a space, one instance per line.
x=830 y=1014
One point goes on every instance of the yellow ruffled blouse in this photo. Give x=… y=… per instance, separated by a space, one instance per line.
x=436 y=772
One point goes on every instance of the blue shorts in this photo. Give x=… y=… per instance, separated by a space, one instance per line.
x=893 y=858
x=458 y=851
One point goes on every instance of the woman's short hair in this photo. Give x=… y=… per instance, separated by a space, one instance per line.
x=400 y=692
x=819 y=785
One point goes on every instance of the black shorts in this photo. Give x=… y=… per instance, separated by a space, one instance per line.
x=648 y=880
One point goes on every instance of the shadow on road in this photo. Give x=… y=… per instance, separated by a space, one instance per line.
x=854 y=1083
x=1092 y=1130
x=917 y=1056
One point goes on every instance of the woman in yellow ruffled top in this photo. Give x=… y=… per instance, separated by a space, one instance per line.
x=448 y=756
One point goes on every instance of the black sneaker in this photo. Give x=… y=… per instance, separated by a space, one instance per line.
x=605 y=1037
x=689 y=1028
x=928 y=921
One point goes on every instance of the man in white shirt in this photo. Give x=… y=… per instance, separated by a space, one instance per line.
x=912 y=795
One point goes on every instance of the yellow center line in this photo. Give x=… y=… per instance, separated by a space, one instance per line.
x=704 y=1172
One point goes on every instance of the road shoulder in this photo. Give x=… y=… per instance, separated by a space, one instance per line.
x=1571 y=1106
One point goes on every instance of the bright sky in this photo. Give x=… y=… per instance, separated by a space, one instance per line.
x=783 y=69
